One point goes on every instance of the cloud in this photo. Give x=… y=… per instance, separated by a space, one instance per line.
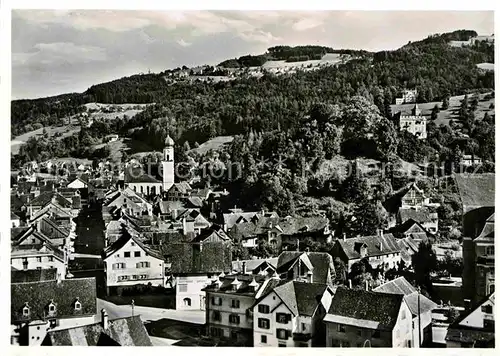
x=307 y=24
x=58 y=53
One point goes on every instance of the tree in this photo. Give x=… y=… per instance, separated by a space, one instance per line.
x=424 y=261
x=340 y=271
x=434 y=113
x=354 y=188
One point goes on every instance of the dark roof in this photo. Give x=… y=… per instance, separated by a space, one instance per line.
x=488 y=232
x=301 y=298
x=322 y=263
x=476 y=190
x=207 y=257
x=421 y=215
x=46 y=197
x=129 y=331
x=14 y=216
x=401 y=286
x=299 y=225
x=33 y=275
x=226 y=285
x=382 y=308
x=412 y=227
x=138 y=175
x=63 y=293
x=213 y=231
x=351 y=246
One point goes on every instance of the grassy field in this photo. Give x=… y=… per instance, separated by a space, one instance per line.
x=66 y=131
x=213 y=144
x=451 y=113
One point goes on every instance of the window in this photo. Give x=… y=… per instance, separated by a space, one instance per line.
x=39 y=259
x=263 y=339
x=135 y=276
x=118 y=265
x=39 y=268
x=132 y=243
x=360 y=332
x=51 y=259
x=33 y=241
x=492 y=288
x=403 y=315
x=490 y=250
x=234 y=335
x=137 y=254
x=26 y=310
x=488 y=309
x=304 y=326
x=235 y=303
x=263 y=323
x=303 y=344
x=183 y=288
x=216 y=301
x=341 y=328
x=281 y=344
x=282 y=318
x=217 y=332
x=263 y=309
x=126 y=254
x=234 y=319
x=78 y=305
x=216 y=316
x=52 y=308
x=143 y=265
x=282 y=334
x=187 y=302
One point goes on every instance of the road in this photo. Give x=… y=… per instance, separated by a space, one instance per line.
x=151 y=314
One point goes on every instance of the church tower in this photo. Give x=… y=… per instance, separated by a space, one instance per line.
x=168 y=168
x=416 y=111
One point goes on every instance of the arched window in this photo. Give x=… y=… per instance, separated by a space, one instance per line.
x=273 y=242
x=187 y=302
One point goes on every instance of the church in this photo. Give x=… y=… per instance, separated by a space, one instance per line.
x=157 y=179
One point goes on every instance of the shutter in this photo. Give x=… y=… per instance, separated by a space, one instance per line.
x=138 y=265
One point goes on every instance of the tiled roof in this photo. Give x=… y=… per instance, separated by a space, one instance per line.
x=63 y=293
x=214 y=230
x=421 y=215
x=351 y=246
x=46 y=197
x=33 y=275
x=321 y=262
x=212 y=257
x=243 y=287
x=298 y=225
x=476 y=190
x=129 y=331
x=301 y=298
x=401 y=286
x=195 y=202
x=14 y=216
x=182 y=187
x=382 y=308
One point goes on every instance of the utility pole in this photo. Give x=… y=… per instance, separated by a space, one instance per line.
x=133 y=303
x=418 y=311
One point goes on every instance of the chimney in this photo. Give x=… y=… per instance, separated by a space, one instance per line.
x=350 y=283
x=310 y=276
x=244 y=267
x=344 y=236
x=298 y=245
x=104 y=319
x=366 y=285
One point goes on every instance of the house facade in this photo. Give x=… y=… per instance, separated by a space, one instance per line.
x=359 y=318
x=291 y=314
x=416 y=124
x=381 y=251
x=128 y=262
x=475 y=328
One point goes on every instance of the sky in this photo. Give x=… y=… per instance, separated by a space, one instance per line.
x=62 y=51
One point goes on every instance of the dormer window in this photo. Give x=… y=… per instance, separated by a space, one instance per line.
x=78 y=305
x=26 y=310
x=52 y=308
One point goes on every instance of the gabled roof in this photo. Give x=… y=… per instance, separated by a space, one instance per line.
x=421 y=215
x=126 y=237
x=128 y=331
x=61 y=229
x=301 y=298
x=46 y=197
x=476 y=190
x=181 y=187
x=253 y=264
x=350 y=246
x=401 y=286
x=52 y=207
x=195 y=202
x=227 y=284
x=137 y=175
x=321 y=262
x=14 y=216
x=213 y=231
x=63 y=293
x=458 y=331
x=488 y=232
x=380 y=308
